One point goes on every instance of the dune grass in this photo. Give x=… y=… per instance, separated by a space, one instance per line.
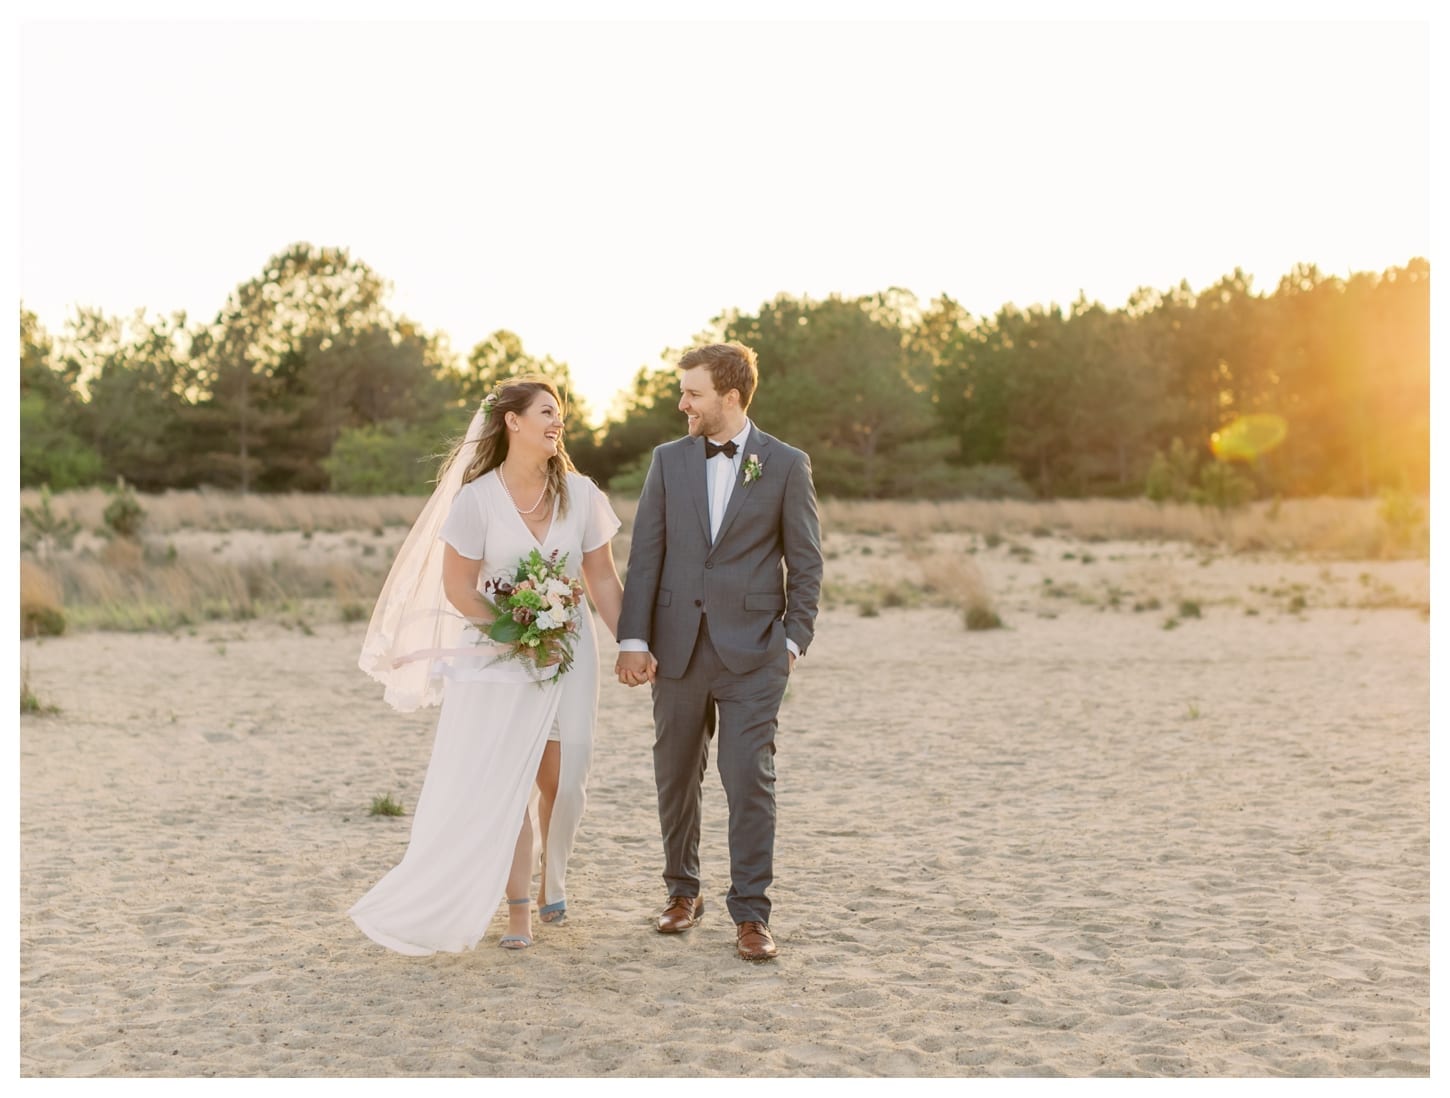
x=1349 y=528
x=145 y=583
x=205 y=509
x=128 y=587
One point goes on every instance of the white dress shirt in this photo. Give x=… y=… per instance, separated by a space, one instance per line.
x=721 y=473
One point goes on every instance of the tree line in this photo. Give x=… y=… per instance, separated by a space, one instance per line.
x=306 y=380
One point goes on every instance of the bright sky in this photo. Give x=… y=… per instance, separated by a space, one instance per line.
x=605 y=189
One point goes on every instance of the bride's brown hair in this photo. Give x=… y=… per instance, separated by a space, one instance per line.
x=517 y=394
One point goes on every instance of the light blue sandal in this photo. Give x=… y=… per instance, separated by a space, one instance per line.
x=549 y=914
x=516 y=941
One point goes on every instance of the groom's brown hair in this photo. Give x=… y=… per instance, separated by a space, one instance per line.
x=731 y=366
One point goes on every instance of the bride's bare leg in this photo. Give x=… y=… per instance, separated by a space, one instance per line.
x=521 y=873
x=548 y=783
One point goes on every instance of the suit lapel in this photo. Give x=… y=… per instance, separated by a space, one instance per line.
x=755 y=443
x=699 y=482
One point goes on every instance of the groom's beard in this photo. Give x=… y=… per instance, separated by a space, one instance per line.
x=705 y=426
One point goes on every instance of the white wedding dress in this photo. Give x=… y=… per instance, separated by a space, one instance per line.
x=495 y=719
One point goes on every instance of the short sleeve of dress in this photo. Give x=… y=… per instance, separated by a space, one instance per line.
x=466 y=526
x=600 y=523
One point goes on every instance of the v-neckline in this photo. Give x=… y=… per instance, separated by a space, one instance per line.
x=553 y=513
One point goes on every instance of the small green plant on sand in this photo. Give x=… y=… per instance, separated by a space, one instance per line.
x=385 y=806
x=29 y=703
x=124 y=515
x=978 y=617
x=42 y=531
x=1402 y=516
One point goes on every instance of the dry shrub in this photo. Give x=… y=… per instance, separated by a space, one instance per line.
x=977 y=618
x=955 y=580
x=124 y=555
x=40 y=602
x=947 y=576
x=350 y=583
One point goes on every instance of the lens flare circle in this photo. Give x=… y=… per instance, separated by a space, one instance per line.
x=1248 y=437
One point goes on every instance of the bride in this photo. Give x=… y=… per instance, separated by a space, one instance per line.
x=504 y=728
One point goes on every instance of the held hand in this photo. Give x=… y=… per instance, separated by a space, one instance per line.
x=634 y=668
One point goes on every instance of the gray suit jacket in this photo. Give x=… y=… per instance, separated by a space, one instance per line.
x=759 y=582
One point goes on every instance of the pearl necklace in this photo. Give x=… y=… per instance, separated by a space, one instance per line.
x=510 y=495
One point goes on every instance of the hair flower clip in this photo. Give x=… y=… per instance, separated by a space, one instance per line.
x=488 y=405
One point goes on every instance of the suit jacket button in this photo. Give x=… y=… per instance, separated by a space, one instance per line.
x=709 y=564
x=699 y=603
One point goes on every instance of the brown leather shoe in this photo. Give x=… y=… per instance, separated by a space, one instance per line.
x=754 y=943
x=681 y=913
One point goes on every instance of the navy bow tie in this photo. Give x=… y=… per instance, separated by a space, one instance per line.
x=729 y=449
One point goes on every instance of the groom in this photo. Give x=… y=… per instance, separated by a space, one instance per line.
x=720 y=599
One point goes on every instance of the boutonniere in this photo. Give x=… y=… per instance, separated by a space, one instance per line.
x=753 y=469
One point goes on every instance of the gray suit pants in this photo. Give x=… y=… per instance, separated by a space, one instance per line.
x=685 y=718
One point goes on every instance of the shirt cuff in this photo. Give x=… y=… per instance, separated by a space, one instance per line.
x=794 y=648
x=633 y=645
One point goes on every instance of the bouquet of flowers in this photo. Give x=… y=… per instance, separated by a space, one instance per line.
x=537 y=612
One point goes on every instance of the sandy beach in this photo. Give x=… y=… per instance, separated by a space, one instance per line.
x=1085 y=844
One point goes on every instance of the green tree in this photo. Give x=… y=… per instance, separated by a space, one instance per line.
x=384 y=459
x=843 y=379
x=1014 y=394
x=50 y=451
x=1171 y=475
x=306 y=301
x=136 y=375
x=380 y=375
x=53 y=447
x=648 y=415
x=969 y=384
